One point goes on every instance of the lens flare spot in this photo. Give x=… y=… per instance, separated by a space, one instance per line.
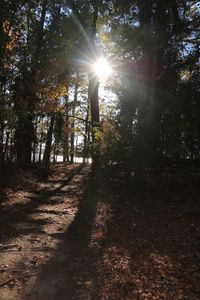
x=102 y=68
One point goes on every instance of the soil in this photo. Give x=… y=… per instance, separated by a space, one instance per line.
x=71 y=236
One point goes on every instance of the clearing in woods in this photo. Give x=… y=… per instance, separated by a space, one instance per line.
x=74 y=237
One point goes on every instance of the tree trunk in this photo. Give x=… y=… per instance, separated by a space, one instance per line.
x=1 y=144
x=5 y=154
x=2 y=119
x=54 y=152
x=35 y=143
x=41 y=141
x=12 y=146
x=73 y=122
x=145 y=16
x=47 y=151
x=93 y=80
x=24 y=137
x=85 y=145
x=66 y=131
x=93 y=89
x=40 y=152
x=25 y=98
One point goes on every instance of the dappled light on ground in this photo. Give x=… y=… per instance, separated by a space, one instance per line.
x=36 y=228
x=76 y=237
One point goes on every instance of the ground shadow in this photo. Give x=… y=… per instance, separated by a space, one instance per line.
x=154 y=244
x=12 y=215
x=70 y=271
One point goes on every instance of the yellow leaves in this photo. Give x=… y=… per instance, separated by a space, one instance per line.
x=51 y=98
x=105 y=37
x=10 y=46
x=51 y=92
x=54 y=92
x=13 y=37
x=185 y=75
x=6 y=27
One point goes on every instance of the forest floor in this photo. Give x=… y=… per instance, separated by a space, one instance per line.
x=73 y=237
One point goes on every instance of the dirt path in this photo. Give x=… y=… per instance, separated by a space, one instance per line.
x=44 y=237
x=73 y=237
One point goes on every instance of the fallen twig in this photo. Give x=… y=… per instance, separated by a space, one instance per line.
x=8 y=246
x=17 y=278
x=6 y=281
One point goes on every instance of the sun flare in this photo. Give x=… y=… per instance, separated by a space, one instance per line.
x=102 y=68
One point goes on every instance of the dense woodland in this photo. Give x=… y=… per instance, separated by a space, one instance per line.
x=49 y=94
x=125 y=226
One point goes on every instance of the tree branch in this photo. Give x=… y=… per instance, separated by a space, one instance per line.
x=78 y=118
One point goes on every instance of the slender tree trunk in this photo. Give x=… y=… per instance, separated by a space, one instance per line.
x=94 y=107
x=34 y=153
x=47 y=151
x=41 y=141
x=12 y=146
x=35 y=144
x=93 y=80
x=5 y=154
x=85 y=146
x=2 y=117
x=40 y=152
x=54 y=152
x=4 y=36
x=72 y=144
x=93 y=89
x=73 y=122
x=66 y=131
x=1 y=143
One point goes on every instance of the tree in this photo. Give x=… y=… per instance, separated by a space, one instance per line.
x=149 y=37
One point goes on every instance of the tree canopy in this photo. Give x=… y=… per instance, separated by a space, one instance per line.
x=53 y=102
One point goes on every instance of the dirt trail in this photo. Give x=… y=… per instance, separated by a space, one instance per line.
x=72 y=237
x=44 y=233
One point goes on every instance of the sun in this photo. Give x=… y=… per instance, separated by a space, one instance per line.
x=102 y=68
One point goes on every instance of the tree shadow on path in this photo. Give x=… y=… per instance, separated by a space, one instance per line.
x=11 y=216
x=70 y=271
